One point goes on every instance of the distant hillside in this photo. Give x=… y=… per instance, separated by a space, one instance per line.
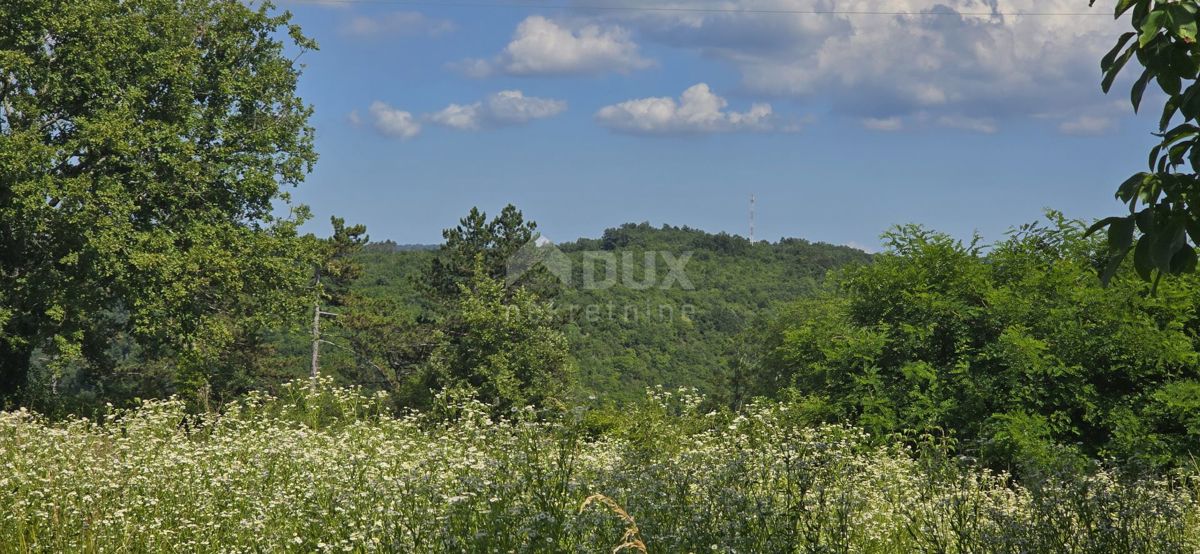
x=626 y=339
x=390 y=246
x=678 y=337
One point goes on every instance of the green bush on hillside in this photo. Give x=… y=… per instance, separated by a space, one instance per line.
x=1015 y=350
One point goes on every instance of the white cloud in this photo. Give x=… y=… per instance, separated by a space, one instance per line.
x=883 y=123
x=327 y=3
x=507 y=107
x=397 y=24
x=963 y=59
x=1086 y=125
x=697 y=111
x=501 y=109
x=458 y=116
x=393 y=122
x=983 y=125
x=474 y=68
x=544 y=47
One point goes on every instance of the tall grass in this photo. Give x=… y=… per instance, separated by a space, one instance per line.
x=326 y=469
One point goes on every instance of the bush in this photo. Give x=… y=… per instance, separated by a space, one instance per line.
x=1017 y=350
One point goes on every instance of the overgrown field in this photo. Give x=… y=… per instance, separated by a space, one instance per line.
x=325 y=469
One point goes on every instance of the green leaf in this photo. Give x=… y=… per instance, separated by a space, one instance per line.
x=1181 y=131
x=1150 y=27
x=1182 y=22
x=1193 y=228
x=1141 y=259
x=1169 y=109
x=1184 y=260
x=1122 y=7
x=1190 y=104
x=1110 y=268
x=1101 y=224
x=1139 y=88
x=1111 y=74
x=1111 y=57
x=1131 y=186
x=1145 y=221
x=1140 y=9
x=1177 y=152
x=1120 y=234
x=1187 y=32
x=1169 y=83
x=1179 y=63
x=1166 y=245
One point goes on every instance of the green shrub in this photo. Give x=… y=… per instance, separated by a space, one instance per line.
x=1017 y=350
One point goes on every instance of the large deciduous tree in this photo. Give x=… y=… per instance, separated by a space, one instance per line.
x=144 y=145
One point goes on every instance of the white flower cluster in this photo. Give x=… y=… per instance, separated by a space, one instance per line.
x=324 y=469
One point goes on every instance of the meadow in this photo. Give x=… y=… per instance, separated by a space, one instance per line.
x=321 y=468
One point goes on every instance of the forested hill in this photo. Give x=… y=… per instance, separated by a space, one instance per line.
x=625 y=338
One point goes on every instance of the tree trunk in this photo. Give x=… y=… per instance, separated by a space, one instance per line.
x=316 y=339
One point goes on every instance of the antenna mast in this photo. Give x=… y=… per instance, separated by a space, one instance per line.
x=751 y=218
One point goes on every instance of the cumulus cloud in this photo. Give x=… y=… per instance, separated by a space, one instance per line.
x=968 y=60
x=501 y=109
x=698 y=110
x=329 y=3
x=507 y=107
x=1087 y=125
x=883 y=123
x=983 y=125
x=541 y=46
x=397 y=24
x=393 y=122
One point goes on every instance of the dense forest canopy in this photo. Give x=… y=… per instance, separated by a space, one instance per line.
x=625 y=340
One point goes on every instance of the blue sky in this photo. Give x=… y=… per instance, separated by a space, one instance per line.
x=841 y=124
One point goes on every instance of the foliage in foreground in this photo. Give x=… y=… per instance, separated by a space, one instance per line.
x=145 y=148
x=324 y=469
x=1163 y=42
x=1016 y=350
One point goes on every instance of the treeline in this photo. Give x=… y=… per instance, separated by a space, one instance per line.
x=619 y=339
x=1015 y=350
x=625 y=339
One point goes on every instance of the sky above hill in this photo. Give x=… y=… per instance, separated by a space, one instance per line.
x=843 y=117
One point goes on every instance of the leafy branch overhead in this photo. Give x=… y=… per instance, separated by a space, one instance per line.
x=1163 y=225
